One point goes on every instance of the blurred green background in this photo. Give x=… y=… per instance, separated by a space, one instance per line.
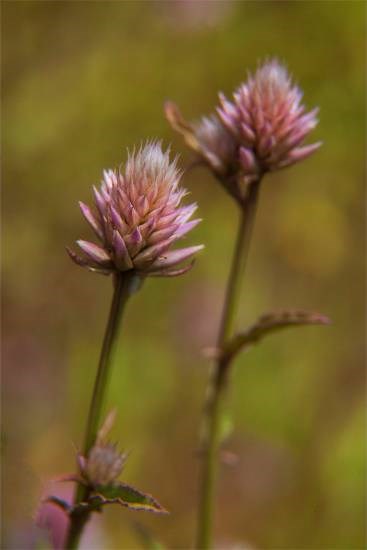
x=82 y=81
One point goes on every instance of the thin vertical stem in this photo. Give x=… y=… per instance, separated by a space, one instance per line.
x=213 y=405
x=122 y=290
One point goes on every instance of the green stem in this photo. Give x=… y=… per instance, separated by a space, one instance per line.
x=123 y=288
x=216 y=386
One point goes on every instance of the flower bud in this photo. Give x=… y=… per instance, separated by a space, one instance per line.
x=103 y=465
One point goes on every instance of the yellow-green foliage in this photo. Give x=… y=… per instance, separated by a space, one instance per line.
x=81 y=82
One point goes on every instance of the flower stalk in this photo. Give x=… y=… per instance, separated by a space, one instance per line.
x=261 y=130
x=124 y=286
x=137 y=217
x=213 y=406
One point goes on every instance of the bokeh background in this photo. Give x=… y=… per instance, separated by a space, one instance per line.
x=82 y=81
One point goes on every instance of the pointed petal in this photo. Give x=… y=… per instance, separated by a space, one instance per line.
x=151 y=253
x=163 y=221
x=142 y=205
x=116 y=218
x=299 y=153
x=185 y=213
x=228 y=114
x=132 y=216
x=162 y=234
x=78 y=260
x=134 y=242
x=248 y=133
x=294 y=139
x=172 y=272
x=122 y=257
x=95 y=253
x=91 y=219
x=186 y=227
x=174 y=257
x=100 y=202
x=248 y=161
x=91 y=266
x=147 y=227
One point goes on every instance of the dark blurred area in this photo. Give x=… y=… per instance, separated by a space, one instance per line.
x=84 y=81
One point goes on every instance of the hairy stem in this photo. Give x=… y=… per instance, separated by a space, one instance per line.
x=213 y=405
x=123 y=288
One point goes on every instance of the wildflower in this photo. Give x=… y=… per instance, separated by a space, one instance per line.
x=137 y=217
x=208 y=137
x=268 y=121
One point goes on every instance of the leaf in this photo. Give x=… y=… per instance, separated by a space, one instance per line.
x=120 y=493
x=268 y=323
x=65 y=506
x=180 y=125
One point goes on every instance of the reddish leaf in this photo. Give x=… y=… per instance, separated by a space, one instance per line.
x=268 y=323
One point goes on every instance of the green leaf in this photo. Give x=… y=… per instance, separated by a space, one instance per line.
x=268 y=323
x=120 y=493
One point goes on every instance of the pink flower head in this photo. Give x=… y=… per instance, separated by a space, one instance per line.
x=138 y=217
x=268 y=121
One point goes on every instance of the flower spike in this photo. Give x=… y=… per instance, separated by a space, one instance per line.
x=268 y=120
x=137 y=217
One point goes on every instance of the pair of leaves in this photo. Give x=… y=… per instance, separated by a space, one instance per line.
x=117 y=493
x=267 y=324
